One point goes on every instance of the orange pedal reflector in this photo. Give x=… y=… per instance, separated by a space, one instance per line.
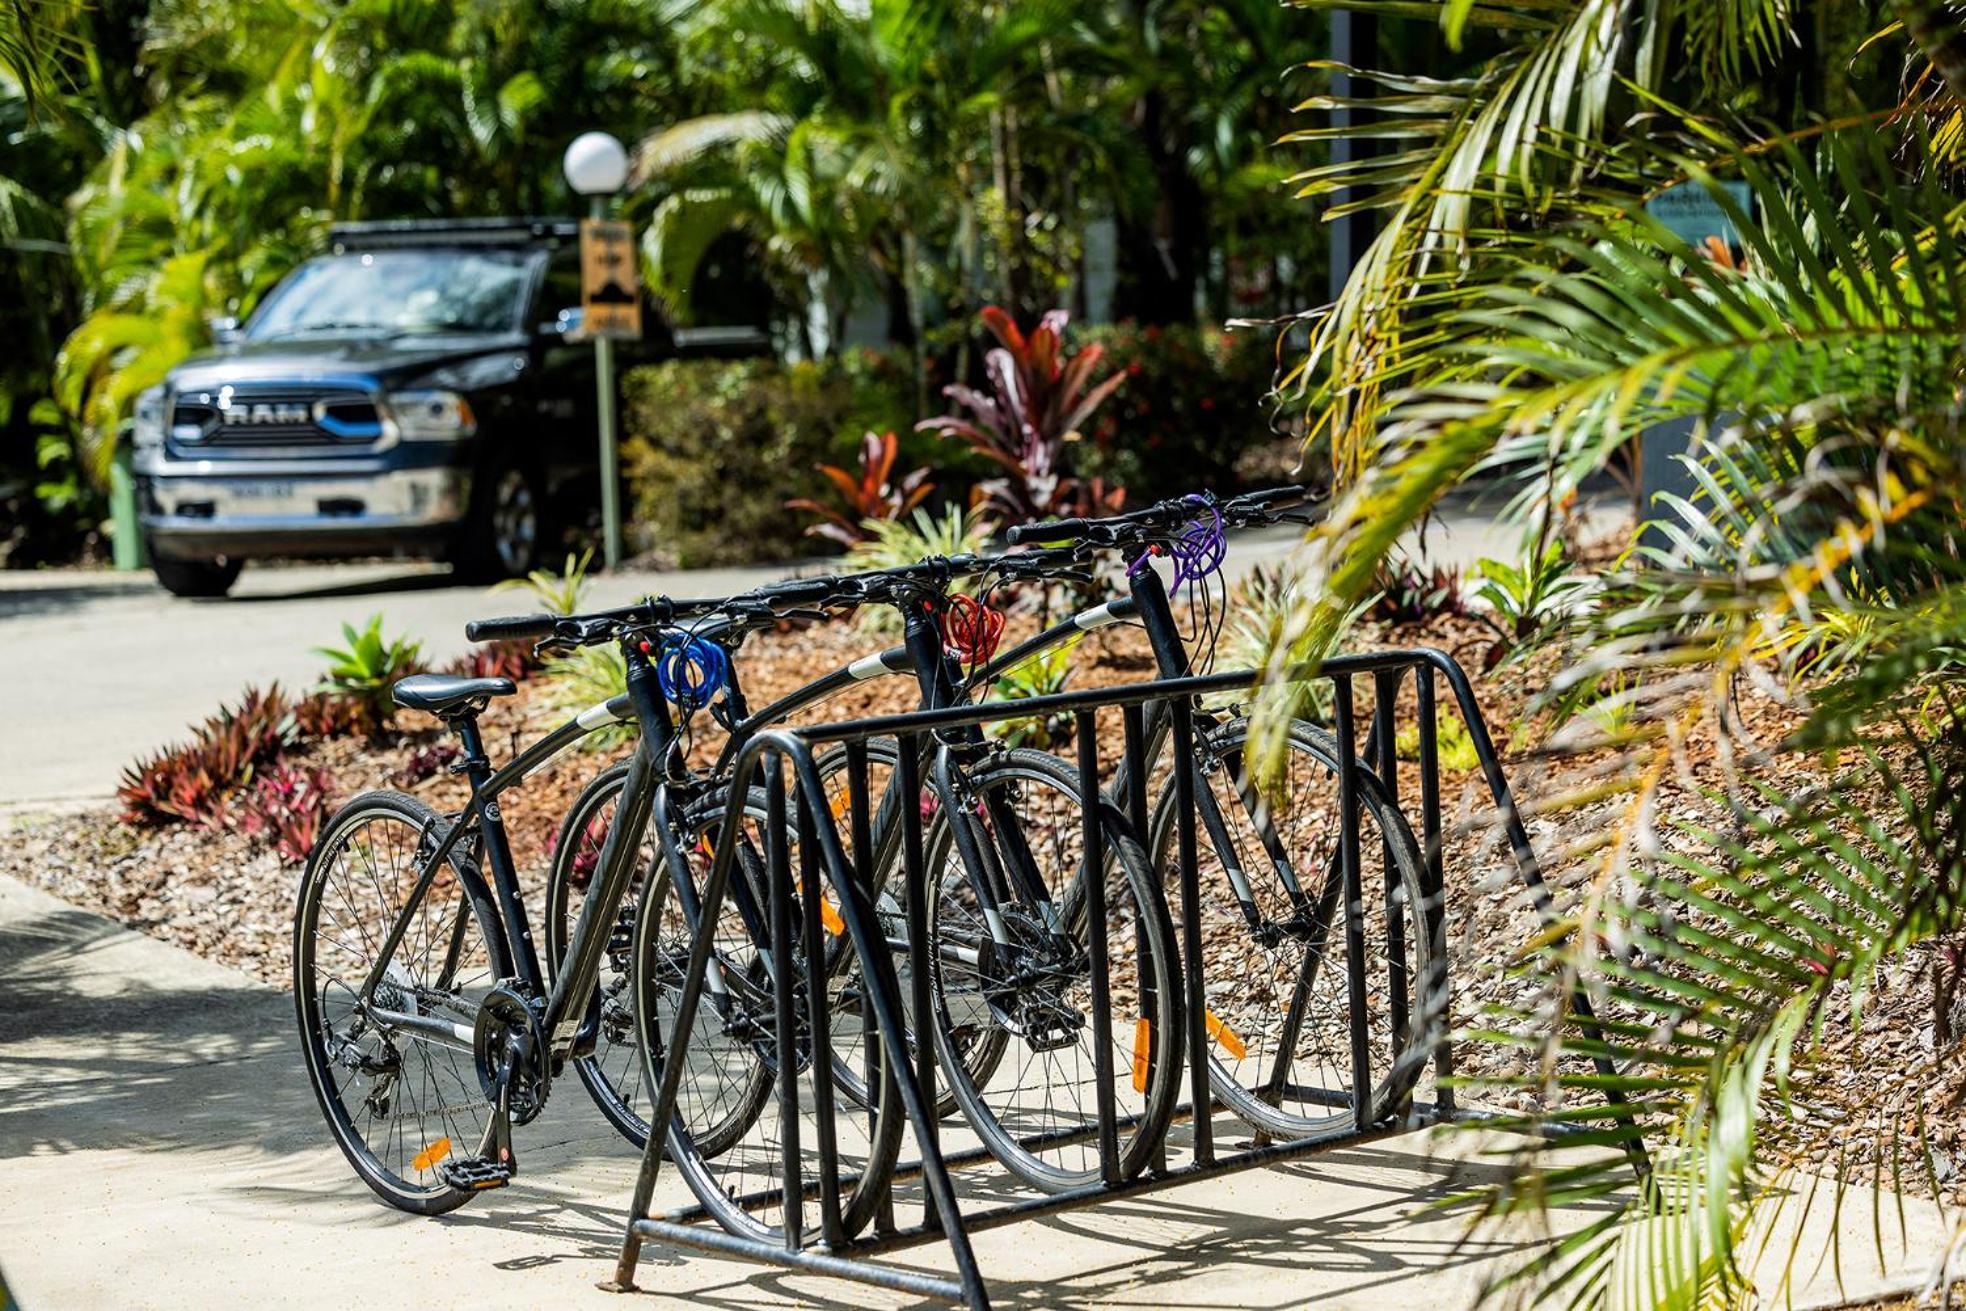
x=829 y=915
x=1143 y=1046
x=1231 y=1040
x=432 y=1154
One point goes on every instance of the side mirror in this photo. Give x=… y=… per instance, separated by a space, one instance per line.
x=225 y=329
x=566 y=325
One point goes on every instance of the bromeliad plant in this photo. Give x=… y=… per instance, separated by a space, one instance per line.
x=200 y=782
x=1041 y=396
x=869 y=494
x=362 y=673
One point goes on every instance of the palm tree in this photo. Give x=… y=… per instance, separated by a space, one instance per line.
x=1522 y=311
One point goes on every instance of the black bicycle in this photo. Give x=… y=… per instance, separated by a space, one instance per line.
x=427 y=1022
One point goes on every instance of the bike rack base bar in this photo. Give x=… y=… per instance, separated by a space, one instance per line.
x=724 y=1243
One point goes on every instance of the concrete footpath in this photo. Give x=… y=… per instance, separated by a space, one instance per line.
x=159 y=1148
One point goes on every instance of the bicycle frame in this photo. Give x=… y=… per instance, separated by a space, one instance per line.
x=514 y=953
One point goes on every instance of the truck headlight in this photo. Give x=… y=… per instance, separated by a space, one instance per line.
x=431 y=416
x=147 y=420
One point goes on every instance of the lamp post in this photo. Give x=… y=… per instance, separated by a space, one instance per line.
x=596 y=166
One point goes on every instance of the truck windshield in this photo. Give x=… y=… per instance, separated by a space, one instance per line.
x=397 y=292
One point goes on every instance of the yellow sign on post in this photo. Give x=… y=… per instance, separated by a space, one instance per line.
x=608 y=296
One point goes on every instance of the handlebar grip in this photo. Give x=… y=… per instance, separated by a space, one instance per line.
x=511 y=628
x=1058 y=530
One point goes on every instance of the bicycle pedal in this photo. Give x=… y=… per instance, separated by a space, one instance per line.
x=475 y=1174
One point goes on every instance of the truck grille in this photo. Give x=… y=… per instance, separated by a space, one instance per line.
x=245 y=418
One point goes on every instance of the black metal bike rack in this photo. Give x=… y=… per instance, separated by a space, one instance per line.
x=1418 y=1021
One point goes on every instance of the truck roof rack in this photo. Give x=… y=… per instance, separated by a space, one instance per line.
x=383 y=234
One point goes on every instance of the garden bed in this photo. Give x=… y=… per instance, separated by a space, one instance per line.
x=229 y=897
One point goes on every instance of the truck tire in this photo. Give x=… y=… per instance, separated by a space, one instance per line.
x=506 y=532
x=196 y=577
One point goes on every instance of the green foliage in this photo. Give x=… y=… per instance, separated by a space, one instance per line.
x=1453 y=745
x=363 y=673
x=583 y=678
x=1194 y=413
x=1817 y=561
x=1043 y=674
x=557 y=593
x=1531 y=601
x=893 y=542
x=896 y=542
x=714 y=449
x=199 y=782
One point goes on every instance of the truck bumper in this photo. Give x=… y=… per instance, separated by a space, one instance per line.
x=256 y=514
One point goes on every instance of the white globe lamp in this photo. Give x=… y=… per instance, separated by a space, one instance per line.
x=596 y=164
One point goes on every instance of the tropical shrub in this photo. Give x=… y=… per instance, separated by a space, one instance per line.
x=1195 y=413
x=714 y=448
x=893 y=542
x=513 y=660
x=364 y=672
x=1041 y=395
x=1732 y=932
x=1529 y=602
x=199 y=782
x=1043 y=674
x=867 y=493
x=586 y=677
x=1407 y=592
x=557 y=593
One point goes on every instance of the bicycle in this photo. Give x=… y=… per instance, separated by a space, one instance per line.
x=417 y=987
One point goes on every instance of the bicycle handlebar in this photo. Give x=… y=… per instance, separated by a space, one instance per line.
x=602 y=625
x=1237 y=511
x=511 y=628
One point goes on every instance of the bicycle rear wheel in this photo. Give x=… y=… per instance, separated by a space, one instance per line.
x=398 y=1104
x=1036 y=1107
x=739 y=1181
x=1279 y=1004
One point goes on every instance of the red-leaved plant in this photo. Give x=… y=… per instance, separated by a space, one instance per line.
x=1040 y=396
x=868 y=493
x=286 y=809
x=196 y=783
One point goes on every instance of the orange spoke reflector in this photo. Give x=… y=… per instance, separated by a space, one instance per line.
x=703 y=849
x=1143 y=1046
x=432 y=1154
x=842 y=802
x=829 y=915
x=1231 y=1040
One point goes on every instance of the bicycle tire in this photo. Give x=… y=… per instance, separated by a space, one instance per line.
x=1151 y=1085
x=1327 y=1080
x=422 y=1191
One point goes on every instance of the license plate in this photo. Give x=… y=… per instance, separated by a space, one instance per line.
x=262 y=491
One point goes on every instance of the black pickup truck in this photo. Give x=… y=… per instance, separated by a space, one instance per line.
x=418 y=389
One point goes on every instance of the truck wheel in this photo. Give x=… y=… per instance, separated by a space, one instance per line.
x=196 y=577
x=503 y=537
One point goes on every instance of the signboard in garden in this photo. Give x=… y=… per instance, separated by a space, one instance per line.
x=1693 y=212
x=613 y=307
